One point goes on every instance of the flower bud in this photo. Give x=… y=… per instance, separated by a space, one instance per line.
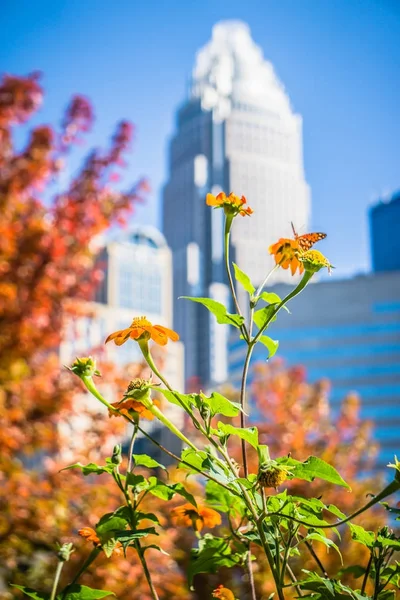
x=64 y=552
x=140 y=390
x=271 y=476
x=116 y=457
x=84 y=367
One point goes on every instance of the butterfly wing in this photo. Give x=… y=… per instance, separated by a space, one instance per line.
x=308 y=240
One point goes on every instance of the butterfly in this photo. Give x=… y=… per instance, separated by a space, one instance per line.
x=307 y=240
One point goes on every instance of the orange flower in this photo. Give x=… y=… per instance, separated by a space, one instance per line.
x=188 y=515
x=223 y=593
x=90 y=534
x=141 y=328
x=124 y=406
x=232 y=205
x=286 y=252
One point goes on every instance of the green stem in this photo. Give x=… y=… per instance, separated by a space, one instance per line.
x=88 y=382
x=92 y=556
x=146 y=571
x=367 y=570
x=250 y=348
x=161 y=417
x=228 y=225
x=263 y=284
x=299 y=288
x=393 y=487
x=131 y=446
x=56 y=579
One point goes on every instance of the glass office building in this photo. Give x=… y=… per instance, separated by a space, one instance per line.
x=235 y=132
x=349 y=332
x=384 y=219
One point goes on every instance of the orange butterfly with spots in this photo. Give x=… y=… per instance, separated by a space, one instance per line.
x=307 y=240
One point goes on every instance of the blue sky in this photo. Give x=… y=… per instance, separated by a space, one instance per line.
x=338 y=59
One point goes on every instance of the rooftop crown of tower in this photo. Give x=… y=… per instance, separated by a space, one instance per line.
x=231 y=68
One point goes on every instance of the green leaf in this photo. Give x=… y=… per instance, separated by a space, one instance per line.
x=244 y=279
x=211 y=554
x=324 y=540
x=219 y=311
x=108 y=524
x=183 y=400
x=31 y=593
x=81 y=592
x=222 y=500
x=313 y=468
x=271 y=297
x=166 y=492
x=263 y=315
x=271 y=344
x=250 y=434
x=138 y=482
x=361 y=535
x=141 y=516
x=143 y=460
x=128 y=538
x=154 y=547
x=220 y=405
x=193 y=458
x=91 y=468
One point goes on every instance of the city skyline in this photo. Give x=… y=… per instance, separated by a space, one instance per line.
x=340 y=65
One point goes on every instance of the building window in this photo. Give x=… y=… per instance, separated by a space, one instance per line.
x=139 y=287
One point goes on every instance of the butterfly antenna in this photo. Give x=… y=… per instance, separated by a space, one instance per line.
x=294 y=231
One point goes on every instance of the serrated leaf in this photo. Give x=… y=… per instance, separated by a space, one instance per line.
x=223 y=500
x=219 y=311
x=91 y=468
x=138 y=482
x=143 y=460
x=250 y=434
x=191 y=457
x=82 y=592
x=166 y=492
x=271 y=298
x=128 y=537
x=212 y=554
x=269 y=343
x=313 y=468
x=361 y=535
x=31 y=593
x=141 y=516
x=218 y=404
x=182 y=400
x=244 y=280
x=263 y=315
x=326 y=541
x=108 y=524
x=155 y=547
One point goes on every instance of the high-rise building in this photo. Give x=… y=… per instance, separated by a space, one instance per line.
x=384 y=220
x=137 y=280
x=235 y=132
x=349 y=332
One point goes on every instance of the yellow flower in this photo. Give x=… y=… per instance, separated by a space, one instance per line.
x=223 y=593
x=232 y=205
x=286 y=252
x=141 y=328
x=314 y=260
x=188 y=515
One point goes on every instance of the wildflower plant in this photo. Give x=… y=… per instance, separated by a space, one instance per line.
x=254 y=508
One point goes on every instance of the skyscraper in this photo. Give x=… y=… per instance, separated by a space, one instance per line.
x=235 y=132
x=384 y=220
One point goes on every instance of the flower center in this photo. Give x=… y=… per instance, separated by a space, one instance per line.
x=140 y=322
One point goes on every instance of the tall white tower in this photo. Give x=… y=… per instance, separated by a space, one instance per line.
x=263 y=141
x=238 y=133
